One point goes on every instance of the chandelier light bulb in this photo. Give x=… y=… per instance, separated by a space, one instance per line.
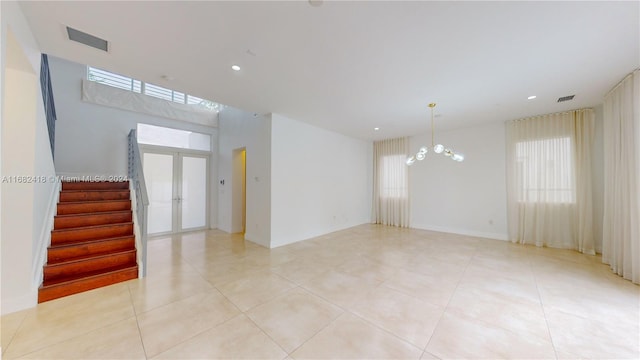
x=411 y=160
x=438 y=148
x=457 y=157
x=423 y=150
x=420 y=156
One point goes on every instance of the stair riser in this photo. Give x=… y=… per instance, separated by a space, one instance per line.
x=56 y=255
x=58 y=291
x=91 y=220
x=69 y=236
x=83 y=185
x=94 y=195
x=53 y=272
x=80 y=208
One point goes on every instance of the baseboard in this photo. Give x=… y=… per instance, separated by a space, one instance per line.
x=44 y=239
x=23 y=302
x=331 y=230
x=253 y=239
x=495 y=236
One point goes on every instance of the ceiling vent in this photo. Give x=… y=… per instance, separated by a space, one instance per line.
x=87 y=39
x=566 y=98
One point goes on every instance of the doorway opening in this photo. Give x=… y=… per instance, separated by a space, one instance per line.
x=177 y=183
x=239 y=191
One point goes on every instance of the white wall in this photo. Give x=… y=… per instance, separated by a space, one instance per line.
x=26 y=208
x=91 y=140
x=465 y=198
x=242 y=129
x=320 y=181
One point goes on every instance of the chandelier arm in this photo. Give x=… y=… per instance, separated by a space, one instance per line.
x=433 y=136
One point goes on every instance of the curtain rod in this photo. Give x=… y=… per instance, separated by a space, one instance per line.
x=621 y=81
x=543 y=115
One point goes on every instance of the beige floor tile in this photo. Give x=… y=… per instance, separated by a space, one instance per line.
x=169 y=325
x=390 y=256
x=407 y=317
x=350 y=337
x=152 y=292
x=428 y=356
x=365 y=268
x=617 y=305
x=447 y=271
x=118 y=341
x=339 y=288
x=69 y=317
x=432 y=289
x=461 y=337
x=505 y=286
x=300 y=270
x=517 y=314
x=294 y=317
x=238 y=338
x=592 y=339
x=218 y=273
x=257 y=289
x=9 y=325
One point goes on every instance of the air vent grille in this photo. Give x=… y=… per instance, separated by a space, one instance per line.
x=87 y=39
x=566 y=98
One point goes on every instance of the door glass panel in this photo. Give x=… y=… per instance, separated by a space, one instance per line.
x=194 y=192
x=158 y=175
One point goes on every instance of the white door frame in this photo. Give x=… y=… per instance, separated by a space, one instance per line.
x=178 y=154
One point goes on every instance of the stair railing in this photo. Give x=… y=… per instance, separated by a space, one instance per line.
x=136 y=177
x=47 y=98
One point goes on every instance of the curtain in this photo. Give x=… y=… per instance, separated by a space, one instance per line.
x=621 y=229
x=391 y=182
x=549 y=180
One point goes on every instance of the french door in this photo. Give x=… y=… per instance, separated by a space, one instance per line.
x=178 y=188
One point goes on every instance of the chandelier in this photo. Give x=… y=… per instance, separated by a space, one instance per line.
x=438 y=149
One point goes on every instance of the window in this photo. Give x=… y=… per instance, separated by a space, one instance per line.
x=391 y=182
x=545 y=171
x=137 y=86
x=393 y=175
x=115 y=80
x=183 y=139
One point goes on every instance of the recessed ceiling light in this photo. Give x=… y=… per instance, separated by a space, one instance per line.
x=376 y=128
x=235 y=67
x=531 y=97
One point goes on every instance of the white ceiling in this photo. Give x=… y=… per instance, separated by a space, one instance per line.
x=353 y=66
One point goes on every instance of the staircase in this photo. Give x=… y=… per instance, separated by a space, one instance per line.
x=92 y=242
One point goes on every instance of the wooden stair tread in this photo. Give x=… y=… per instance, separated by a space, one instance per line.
x=63 y=252
x=79 y=185
x=79 y=259
x=93 y=190
x=88 y=242
x=92 y=201
x=90 y=227
x=86 y=276
x=94 y=213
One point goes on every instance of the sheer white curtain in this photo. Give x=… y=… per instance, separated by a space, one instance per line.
x=621 y=229
x=391 y=182
x=549 y=180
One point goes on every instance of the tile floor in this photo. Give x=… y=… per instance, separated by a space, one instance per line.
x=366 y=292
